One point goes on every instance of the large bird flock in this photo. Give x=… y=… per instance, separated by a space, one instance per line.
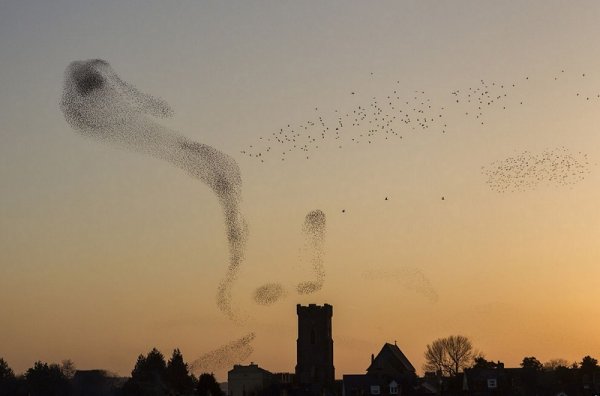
x=394 y=115
x=385 y=118
x=98 y=104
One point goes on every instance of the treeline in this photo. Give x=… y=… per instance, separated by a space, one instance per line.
x=456 y=368
x=151 y=376
x=453 y=354
x=588 y=365
x=555 y=377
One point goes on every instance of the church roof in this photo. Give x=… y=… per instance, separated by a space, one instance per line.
x=394 y=356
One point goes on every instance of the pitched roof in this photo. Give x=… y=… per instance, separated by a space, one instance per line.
x=401 y=361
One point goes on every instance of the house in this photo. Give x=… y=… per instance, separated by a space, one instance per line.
x=390 y=373
x=249 y=380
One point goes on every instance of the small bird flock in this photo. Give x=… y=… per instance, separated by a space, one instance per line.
x=269 y=293
x=225 y=356
x=410 y=277
x=314 y=229
x=526 y=171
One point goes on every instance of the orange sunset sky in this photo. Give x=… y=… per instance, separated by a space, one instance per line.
x=106 y=253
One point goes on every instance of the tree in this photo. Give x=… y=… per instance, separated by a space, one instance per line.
x=148 y=377
x=67 y=367
x=178 y=376
x=6 y=373
x=532 y=369
x=481 y=362
x=8 y=381
x=531 y=363
x=47 y=380
x=208 y=386
x=589 y=365
x=449 y=355
x=553 y=364
x=436 y=358
x=150 y=368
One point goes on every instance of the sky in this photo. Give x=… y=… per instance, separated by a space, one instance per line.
x=106 y=253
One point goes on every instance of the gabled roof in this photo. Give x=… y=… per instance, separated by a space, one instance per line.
x=393 y=353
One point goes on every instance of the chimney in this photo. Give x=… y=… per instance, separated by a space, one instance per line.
x=372 y=358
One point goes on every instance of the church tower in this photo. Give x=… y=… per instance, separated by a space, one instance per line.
x=314 y=363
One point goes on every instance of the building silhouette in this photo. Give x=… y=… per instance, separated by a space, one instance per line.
x=314 y=361
x=390 y=373
x=249 y=380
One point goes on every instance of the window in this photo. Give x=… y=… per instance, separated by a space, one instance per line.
x=393 y=388
x=312 y=337
x=492 y=383
x=375 y=390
